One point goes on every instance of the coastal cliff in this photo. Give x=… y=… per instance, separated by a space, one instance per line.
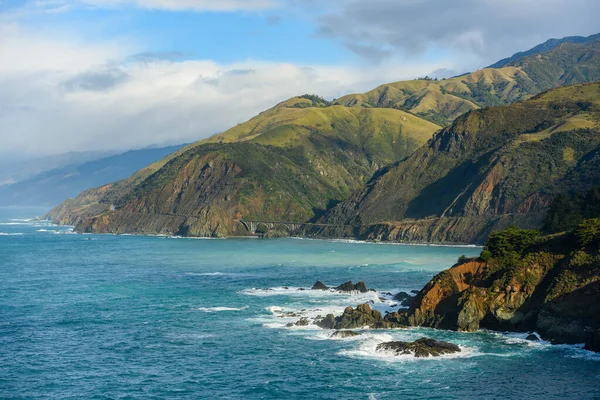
x=522 y=282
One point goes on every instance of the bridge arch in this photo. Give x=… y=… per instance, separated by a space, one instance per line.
x=262 y=228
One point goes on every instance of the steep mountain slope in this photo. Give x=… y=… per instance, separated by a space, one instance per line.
x=56 y=185
x=502 y=163
x=548 y=45
x=288 y=163
x=443 y=100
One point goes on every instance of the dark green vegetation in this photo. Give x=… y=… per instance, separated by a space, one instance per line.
x=56 y=185
x=525 y=282
x=567 y=210
x=491 y=168
x=510 y=244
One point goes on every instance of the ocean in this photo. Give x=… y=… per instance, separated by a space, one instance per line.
x=132 y=317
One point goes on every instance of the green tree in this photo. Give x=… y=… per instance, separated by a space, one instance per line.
x=588 y=231
x=510 y=244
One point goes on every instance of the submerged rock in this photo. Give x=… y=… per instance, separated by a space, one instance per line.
x=424 y=347
x=593 y=343
x=344 y=334
x=532 y=337
x=319 y=286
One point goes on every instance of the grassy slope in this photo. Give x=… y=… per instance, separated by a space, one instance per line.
x=507 y=159
x=442 y=101
x=327 y=151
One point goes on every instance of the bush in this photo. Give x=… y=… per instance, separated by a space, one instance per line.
x=463 y=259
x=588 y=231
x=510 y=244
x=485 y=255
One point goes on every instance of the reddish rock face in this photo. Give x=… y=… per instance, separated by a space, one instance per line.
x=553 y=290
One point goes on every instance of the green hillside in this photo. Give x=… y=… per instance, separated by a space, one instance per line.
x=288 y=163
x=298 y=159
x=506 y=161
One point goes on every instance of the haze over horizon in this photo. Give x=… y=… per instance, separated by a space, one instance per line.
x=104 y=75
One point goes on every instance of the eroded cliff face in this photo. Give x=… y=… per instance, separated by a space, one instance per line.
x=554 y=290
x=444 y=230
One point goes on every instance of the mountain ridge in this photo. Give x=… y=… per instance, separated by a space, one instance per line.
x=297 y=160
x=480 y=167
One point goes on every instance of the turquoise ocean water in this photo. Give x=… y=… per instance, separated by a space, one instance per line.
x=111 y=317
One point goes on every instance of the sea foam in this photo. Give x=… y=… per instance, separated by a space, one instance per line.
x=219 y=309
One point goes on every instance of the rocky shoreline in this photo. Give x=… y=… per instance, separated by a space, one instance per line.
x=467 y=297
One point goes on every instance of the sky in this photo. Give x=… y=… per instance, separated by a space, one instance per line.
x=113 y=75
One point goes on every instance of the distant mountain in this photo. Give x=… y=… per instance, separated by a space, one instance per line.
x=289 y=163
x=548 y=45
x=56 y=185
x=22 y=168
x=490 y=168
x=441 y=101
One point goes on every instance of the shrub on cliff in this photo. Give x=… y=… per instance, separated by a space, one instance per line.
x=485 y=255
x=588 y=231
x=462 y=259
x=510 y=244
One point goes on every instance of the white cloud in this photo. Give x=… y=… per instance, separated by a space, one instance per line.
x=59 y=95
x=194 y=5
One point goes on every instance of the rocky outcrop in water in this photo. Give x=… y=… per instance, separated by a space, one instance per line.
x=352 y=318
x=319 y=286
x=363 y=316
x=350 y=287
x=424 y=347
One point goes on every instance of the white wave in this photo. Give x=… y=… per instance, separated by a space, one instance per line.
x=21 y=219
x=64 y=232
x=192 y=238
x=365 y=334
x=209 y=274
x=520 y=338
x=11 y=234
x=307 y=292
x=219 y=309
x=13 y=223
x=48 y=230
